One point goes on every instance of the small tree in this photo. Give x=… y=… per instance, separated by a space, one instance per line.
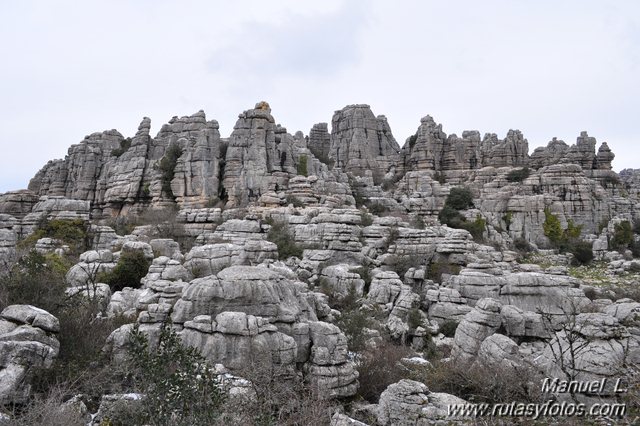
x=131 y=268
x=281 y=236
x=552 y=227
x=179 y=387
x=302 y=166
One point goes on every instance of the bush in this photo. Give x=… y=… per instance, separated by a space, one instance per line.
x=518 y=175
x=36 y=279
x=459 y=198
x=552 y=227
x=366 y=219
x=167 y=168
x=381 y=367
x=440 y=267
x=400 y=264
x=281 y=236
x=365 y=275
x=353 y=323
x=522 y=245
x=131 y=268
x=295 y=201
x=622 y=235
x=482 y=383
x=302 y=166
x=412 y=140
x=125 y=144
x=450 y=217
x=449 y=327
x=475 y=228
x=377 y=209
x=179 y=386
x=582 y=252
x=72 y=232
x=418 y=223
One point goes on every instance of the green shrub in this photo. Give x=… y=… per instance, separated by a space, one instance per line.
x=131 y=268
x=125 y=144
x=179 y=386
x=366 y=219
x=414 y=318
x=167 y=168
x=72 y=232
x=518 y=175
x=377 y=208
x=552 y=227
x=459 y=198
x=418 y=223
x=281 y=236
x=622 y=236
x=295 y=201
x=582 y=252
x=450 y=217
x=36 y=279
x=522 y=245
x=365 y=275
x=508 y=219
x=302 y=166
x=610 y=181
x=440 y=178
x=438 y=268
x=400 y=264
x=475 y=228
x=449 y=327
x=412 y=140
x=352 y=323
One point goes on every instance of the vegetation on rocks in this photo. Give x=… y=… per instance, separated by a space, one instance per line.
x=130 y=269
x=280 y=234
x=167 y=167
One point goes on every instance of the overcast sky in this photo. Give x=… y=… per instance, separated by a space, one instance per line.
x=548 y=68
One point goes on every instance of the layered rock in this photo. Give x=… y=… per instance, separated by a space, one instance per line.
x=27 y=342
x=583 y=153
x=362 y=142
x=257 y=151
x=408 y=402
x=431 y=149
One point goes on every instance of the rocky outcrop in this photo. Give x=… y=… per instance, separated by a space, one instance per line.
x=258 y=158
x=483 y=321
x=583 y=153
x=8 y=240
x=27 y=342
x=408 y=402
x=362 y=142
x=431 y=149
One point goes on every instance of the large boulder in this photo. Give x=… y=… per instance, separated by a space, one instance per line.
x=27 y=343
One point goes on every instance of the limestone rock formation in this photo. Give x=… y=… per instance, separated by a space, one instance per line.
x=408 y=402
x=27 y=342
x=360 y=141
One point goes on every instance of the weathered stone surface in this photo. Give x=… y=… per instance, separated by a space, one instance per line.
x=408 y=402
x=237 y=340
x=8 y=240
x=257 y=150
x=91 y=264
x=257 y=291
x=477 y=325
x=17 y=203
x=27 y=343
x=362 y=142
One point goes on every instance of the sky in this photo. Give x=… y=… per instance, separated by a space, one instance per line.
x=548 y=68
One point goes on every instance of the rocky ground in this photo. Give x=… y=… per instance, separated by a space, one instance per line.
x=335 y=278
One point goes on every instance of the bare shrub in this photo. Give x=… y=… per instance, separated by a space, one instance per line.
x=481 y=383
x=379 y=367
x=281 y=397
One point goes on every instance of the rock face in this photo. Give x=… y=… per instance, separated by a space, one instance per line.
x=115 y=173
x=583 y=153
x=27 y=342
x=431 y=149
x=258 y=150
x=360 y=141
x=408 y=402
